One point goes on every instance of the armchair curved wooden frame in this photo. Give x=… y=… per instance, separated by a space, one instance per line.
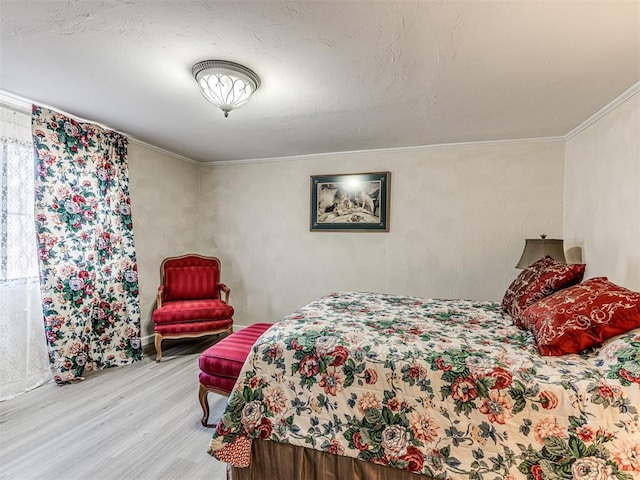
x=217 y=312
x=158 y=338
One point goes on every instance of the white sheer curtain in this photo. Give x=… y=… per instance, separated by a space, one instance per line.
x=23 y=349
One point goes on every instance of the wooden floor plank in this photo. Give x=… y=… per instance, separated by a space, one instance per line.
x=140 y=421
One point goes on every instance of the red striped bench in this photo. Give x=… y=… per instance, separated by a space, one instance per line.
x=221 y=363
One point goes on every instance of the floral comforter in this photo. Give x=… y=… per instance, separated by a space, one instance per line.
x=446 y=388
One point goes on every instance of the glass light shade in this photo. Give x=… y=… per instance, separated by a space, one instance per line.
x=537 y=248
x=227 y=85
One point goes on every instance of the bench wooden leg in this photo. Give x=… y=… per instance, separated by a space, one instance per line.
x=204 y=403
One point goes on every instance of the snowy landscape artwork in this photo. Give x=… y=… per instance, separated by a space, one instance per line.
x=350 y=202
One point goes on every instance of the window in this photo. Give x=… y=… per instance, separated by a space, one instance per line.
x=18 y=260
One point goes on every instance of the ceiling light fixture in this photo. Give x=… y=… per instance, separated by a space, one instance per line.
x=226 y=84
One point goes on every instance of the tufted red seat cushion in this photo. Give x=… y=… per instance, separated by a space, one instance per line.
x=221 y=363
x=191 y=310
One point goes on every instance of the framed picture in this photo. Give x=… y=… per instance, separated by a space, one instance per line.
x=350 y=202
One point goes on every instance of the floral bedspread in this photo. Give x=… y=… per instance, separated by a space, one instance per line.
x=446 y=388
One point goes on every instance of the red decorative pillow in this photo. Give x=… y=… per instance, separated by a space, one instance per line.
x=582 y=316
x=539 y=280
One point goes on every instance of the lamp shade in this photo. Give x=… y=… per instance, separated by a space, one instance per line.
x=227 y=85
x=537 y=248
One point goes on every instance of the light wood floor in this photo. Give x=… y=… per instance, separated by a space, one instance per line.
x=136 y=422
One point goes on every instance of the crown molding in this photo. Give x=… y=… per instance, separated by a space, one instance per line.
x=626 y=95
x=23 y=105
x=312 y=156
x=163 y=151
x=15 y=102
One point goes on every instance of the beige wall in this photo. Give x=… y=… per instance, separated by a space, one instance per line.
x=164 y=197
x=602 y=194
x=459 y=216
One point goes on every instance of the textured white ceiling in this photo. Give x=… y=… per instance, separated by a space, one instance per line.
x=336 y=75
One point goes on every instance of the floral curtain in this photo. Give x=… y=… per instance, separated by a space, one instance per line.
x=88 y=270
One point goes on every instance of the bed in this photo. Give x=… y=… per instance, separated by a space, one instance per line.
x=439 y=388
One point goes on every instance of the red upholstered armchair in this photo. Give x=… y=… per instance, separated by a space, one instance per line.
x=189 y=302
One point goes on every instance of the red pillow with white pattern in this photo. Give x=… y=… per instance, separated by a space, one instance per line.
x=583 y=316
x=538 y=280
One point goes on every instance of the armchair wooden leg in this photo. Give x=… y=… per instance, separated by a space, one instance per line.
x=204 y=403
x=158 y=344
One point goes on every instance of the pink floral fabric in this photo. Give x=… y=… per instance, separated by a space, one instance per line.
x=537 y=281
x=88 y=270
x=582 y=316
x=450 y=389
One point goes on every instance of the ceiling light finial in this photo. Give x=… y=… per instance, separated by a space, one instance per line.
x=227 y=85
